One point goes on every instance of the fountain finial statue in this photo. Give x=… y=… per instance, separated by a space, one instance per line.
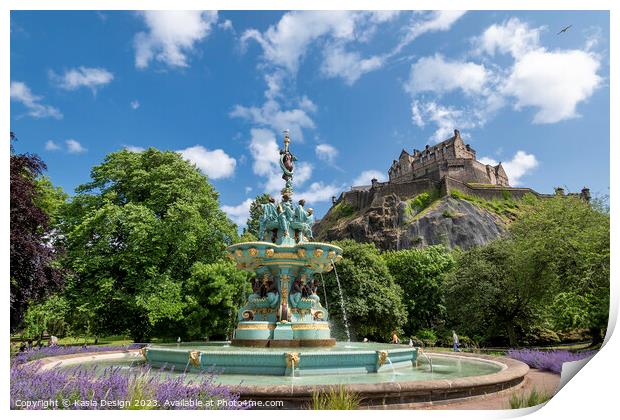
x=286 y=164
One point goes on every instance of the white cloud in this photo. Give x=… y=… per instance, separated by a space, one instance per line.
x=171 y=36
x=326 y=152
x=226 y=25
x=135 y=104
x=285 y=43
x=446 y=118
x=248 y=190
x=511 y=37
x=348 y=65
x=307 y=105
x=20 y=92
x=134 y=149
x=520 y=165
x=74 y=147
x=89 y=77
x=215 y=164
x=366 y=176
x=271 y=115
x=441 y=20
x=318 y=192
x=439 y=75
x=50 y=145
x=553 y=82
x=239 y=214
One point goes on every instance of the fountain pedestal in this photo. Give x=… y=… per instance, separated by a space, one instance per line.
x=284 y=309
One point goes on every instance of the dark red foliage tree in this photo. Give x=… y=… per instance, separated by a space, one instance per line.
x=32 y=273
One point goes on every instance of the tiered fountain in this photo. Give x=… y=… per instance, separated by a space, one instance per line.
x=282 y=348
x=284 y=311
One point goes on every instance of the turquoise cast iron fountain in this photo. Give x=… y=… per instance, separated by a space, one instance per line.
x=283 y=319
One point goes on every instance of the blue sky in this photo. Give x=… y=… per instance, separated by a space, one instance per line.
x=353 y=88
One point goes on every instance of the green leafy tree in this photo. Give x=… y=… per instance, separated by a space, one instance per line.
x=568 y=239
x=46 y=316
x=214 y=293
x=133 y=235
x=493 y=291
x=50 y=198
x=256 y=211
x=372 y=299
x=420 y=273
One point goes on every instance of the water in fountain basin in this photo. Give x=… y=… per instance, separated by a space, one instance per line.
x=344 y=311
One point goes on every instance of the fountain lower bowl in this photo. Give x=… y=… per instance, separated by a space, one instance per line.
x=354 y=359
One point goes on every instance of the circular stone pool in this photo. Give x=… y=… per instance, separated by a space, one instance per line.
x=452 y=376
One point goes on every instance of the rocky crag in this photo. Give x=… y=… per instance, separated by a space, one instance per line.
x=391 y=223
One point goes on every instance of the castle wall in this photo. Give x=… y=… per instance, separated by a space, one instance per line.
x=485 y=192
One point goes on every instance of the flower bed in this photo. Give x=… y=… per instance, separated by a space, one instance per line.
x=80 y=388
x=547 y=360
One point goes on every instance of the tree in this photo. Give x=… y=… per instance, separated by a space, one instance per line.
x=569 y=240
x=372 y=299
x=420 y=273
x=214 y=293
x=48 y=315
x=494 y=291
x=33 y=273
x=133 y=235
x=256 y=212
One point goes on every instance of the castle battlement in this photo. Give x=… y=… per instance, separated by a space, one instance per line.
x=451 y=157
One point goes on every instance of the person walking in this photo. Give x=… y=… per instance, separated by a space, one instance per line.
x=455 y=341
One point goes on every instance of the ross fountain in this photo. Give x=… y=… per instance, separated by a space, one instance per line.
x=282 y=347
x=284 y=310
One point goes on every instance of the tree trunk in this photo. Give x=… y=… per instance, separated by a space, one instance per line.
x=512 y=335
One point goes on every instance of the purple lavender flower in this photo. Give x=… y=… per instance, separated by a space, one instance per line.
x=548 y=360
x=85 y=388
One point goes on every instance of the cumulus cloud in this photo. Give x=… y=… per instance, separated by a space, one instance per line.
x=521 y=164
x=285 y=43
x=135 y=104
x=21 y=93
x=511 y=37
x=326 y=152
x=240 y=213
x=445 y=118
x=215 y=164
x=89 y=77
x=171 y=36
x=553 y=82
x=134 y=149
x=366 y=176
x=75 y=147
x=318 y=192
x=436 y=74
x=348 y=65
x=271 y=115
x=423 y=22
x=51 y=145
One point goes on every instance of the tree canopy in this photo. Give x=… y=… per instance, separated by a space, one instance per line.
x=133 y=235
x=256 y=212
x=372 y=299
x=420 y=273
x=33 y=273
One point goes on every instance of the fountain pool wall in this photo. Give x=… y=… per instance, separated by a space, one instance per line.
x=455 y=376
x=344 y=358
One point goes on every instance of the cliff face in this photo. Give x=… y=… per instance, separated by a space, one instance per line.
x=390 y=223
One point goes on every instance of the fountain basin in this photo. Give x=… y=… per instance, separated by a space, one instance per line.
x=282 y=360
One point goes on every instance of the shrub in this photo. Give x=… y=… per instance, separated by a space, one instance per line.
x=428 y=337
x=534 y=398
x=547 y=360
x=337 y=398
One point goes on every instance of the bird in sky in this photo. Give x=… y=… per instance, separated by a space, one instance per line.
x=564 y=29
